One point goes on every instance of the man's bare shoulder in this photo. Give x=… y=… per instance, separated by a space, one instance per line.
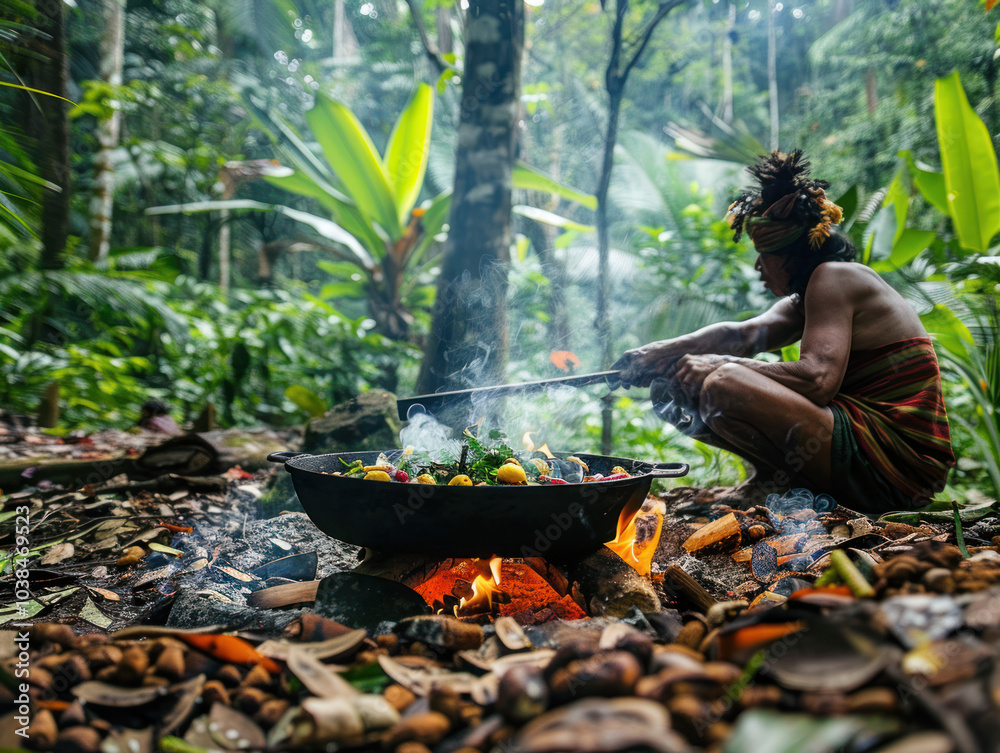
x=845 y=280
x=880 y=315
x=844 y=273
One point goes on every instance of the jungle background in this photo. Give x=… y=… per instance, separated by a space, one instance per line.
x=258 y=203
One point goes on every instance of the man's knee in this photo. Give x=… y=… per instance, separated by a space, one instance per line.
x=721 y=387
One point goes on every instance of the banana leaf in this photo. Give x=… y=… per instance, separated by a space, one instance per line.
x=971 y=177
x=408 y=148
x=353 y=157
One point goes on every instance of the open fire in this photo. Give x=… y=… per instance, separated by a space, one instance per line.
x=489 y=588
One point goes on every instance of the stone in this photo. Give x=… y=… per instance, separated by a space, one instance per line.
x=366 y=601
x=364 y=423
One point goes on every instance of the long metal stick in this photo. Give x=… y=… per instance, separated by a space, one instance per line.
x=439 y=400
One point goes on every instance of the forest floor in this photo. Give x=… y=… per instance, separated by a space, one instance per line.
x=206 y=612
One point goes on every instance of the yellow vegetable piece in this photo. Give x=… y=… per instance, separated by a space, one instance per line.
x=426 y=478
x=618 y=469
x=461 y=480
x=542 y=466
x=377 y=476
x=508 y=473
x=574 y=459
x=383 y=468
x=512 y=461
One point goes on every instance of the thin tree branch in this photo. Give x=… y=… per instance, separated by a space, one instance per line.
x=647 y=33
x=436 y=57
x=613 y=78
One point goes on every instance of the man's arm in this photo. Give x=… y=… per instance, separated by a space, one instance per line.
x=826 y=342
x=780 y=325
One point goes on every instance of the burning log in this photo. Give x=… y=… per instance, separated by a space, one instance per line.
x=610 y=587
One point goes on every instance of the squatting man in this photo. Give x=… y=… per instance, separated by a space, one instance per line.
x=861 y=414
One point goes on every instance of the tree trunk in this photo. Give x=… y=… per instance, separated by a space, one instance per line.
x=53 y=159
x=225 y=236
x=727 y=66
x=615 y=77
x=345 y=45
x=871 y=91
x=446 y=40
x=602 y=320
x=112 y=50
x=467 y=344
x=772 y=73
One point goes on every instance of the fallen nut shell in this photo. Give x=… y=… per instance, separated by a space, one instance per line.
x=170 y=663
x=43 y=730
x=522 y=694
x=399 y=697
x=79 y=739
x=428 y=728
x=610 y=673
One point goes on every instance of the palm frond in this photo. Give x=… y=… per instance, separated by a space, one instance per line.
x=678 y=312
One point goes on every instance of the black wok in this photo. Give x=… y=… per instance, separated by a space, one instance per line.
x=553 y=521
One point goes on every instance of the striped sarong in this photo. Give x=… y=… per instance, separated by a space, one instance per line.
x=892 y=399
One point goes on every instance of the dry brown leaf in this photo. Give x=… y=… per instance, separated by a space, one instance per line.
x=234 y=731
x=328 y=649
x=57 y=553
x=319 y=679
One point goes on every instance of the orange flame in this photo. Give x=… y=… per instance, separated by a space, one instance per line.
x=544 y=449
x=483 y=587
x=638 y=535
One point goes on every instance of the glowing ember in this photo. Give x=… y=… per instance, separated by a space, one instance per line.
x=524 y=592
x=638 y=535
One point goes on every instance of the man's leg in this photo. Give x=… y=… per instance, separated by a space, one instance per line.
x=766 y=421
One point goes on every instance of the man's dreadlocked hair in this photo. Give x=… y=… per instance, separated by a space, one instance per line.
x=789 y=214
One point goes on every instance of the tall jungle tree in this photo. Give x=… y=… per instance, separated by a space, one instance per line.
x=112 y=51
x=625 y=54
x=50 y=122
x=468 y=336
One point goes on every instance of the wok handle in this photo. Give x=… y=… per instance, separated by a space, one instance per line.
x=281 y=457
x=669 y=470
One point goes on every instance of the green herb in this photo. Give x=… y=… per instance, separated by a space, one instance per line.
x=959 y=533
x=368 y=678
x=356 y=467
x=486 y=460
x=482 y=460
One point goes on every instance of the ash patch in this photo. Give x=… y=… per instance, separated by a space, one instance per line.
x=298 y=530
x=234 y=538
x=198 y=608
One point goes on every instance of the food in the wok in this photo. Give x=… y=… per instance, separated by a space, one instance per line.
x=478 y=465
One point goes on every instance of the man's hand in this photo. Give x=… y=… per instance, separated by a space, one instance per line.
x=640 y=366
x=690 y=371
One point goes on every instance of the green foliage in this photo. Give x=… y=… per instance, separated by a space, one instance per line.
x=258 y=354
x=978 y=366
x=691 y=269
x=971 y=177
x=114 y=338
x=967 y=192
